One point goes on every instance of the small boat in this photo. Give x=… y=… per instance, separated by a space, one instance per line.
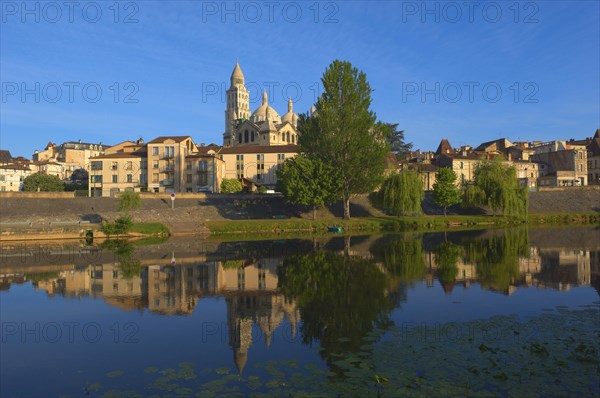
x=334 y=228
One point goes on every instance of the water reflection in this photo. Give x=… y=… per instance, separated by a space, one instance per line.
x=336 y=292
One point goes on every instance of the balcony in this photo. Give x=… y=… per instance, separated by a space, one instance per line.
x=168 y=169
x=167 y=182
x=168 y=156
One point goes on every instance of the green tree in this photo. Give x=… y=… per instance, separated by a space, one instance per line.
x=230 y=185
x=495 y=185
x=308 y=182
x=120 y=226
x=401 y=194
x=129 y=200
x=395 y=138
x=445 y=191
x=45 y=183
x=343 y=133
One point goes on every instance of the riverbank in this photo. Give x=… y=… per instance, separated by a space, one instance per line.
x=395 y=224
x=36 y=218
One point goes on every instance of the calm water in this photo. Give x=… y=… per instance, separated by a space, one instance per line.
x=479 y=313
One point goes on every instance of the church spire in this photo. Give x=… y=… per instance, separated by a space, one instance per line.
x=237 y=76
x=290 y=105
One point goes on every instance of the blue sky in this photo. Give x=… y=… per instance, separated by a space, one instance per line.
x=435 y=68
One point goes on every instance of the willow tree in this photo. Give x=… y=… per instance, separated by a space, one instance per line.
x=342 y=132
x=495 y=185
x=401 y=194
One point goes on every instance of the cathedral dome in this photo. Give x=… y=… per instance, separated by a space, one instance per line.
x=290 y=116
x=264 y=112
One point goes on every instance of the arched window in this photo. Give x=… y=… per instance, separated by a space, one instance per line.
x=246 y=136
x=293 y=138
x=240 y=138
x=288 y=136
x=252 y=136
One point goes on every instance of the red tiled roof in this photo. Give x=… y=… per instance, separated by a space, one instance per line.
x=176 y=138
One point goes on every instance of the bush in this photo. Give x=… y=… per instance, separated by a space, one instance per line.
x=261 y=189
x=120 y=226
x=45 y=183
x=230 y=185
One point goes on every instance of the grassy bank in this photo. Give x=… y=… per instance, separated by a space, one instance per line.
x=149 y=228
x=377 y=224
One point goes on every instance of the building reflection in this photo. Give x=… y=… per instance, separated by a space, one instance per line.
x=171 y=283
x=543 y=268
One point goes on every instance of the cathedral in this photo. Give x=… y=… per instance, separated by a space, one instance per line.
x=264 y=126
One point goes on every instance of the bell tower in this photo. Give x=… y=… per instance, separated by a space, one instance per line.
x=238 y=104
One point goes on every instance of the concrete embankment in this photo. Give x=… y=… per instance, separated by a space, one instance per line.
x=191 y=211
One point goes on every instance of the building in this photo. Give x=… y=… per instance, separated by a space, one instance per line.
x=165 y=164
x=264 y=126
x=255 y=145
x=593 y=154
x=12 y=176
x=125 y=170
x=561 y=164
x=72 y=155
x=256 y=163
x=463 y=163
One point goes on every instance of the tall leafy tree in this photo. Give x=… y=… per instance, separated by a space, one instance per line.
x=343 y=132
x=395 y=138
x=445 y=191
x=401 y=194
x=495 y=185
x=45 y=183
x=308 y=182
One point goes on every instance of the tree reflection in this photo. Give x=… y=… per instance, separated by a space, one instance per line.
x=124 y=253
x=402 y=257
x=446 y=258
x=341 y=300
x=497 y=258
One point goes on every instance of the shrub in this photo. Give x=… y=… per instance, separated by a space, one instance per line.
x=230 y=185
x=129 y=200
x=120 y=226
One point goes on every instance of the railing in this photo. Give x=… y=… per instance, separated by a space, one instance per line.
x=168 y=169
x=168 y=156
x=167 y=182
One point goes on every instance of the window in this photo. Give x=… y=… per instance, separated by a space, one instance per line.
x=114 y=166
x=143 y=179
x=246 y=136
x=155 y=164
x=155 y=177
x=252 y=136
x=129 y=178
x=169 y=151
x=155 y=150
x=114 y=178
x=144 y=164
x=96 y=165
x=580 y=167
x=203 y=165
x=188 y=165
x=188 y=178
x=580 y=154
x=461 y=165
x=203 y=179
x=97 y=179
